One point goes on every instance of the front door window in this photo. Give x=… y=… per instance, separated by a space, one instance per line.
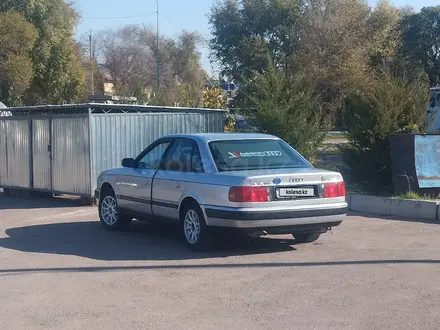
x=152 y=159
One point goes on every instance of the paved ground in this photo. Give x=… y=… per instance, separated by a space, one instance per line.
x=60 y=270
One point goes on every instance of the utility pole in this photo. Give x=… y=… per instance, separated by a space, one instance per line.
x=92 y=67
x=157 y=49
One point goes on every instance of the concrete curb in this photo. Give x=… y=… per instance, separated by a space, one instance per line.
x=390 y=206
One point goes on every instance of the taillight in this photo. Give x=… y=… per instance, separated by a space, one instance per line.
x=245 y=194
x=334 y=189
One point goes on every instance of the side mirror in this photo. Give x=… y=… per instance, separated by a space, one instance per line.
x=128 y=162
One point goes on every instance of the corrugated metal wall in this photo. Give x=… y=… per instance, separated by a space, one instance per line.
x=71 y=156
x=118 y=136
x=15 y=153
x=50 y=148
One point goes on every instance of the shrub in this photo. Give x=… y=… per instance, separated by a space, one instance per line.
x=395 y=103
x=285 y=106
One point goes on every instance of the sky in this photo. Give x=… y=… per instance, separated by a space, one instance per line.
x=175 y=16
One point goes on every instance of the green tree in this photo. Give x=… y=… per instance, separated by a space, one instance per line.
x=335 y=43
x=17 y=39
x=384 y=32
x=188 y=95
x=333 y=49
x=246 y=32
x=58 y=73
x=421 y=45
x=394 y=103
x=287 y=106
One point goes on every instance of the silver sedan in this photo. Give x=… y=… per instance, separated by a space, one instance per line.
x=254 y=183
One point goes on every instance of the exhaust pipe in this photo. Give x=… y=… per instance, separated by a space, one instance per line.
x=258 y=234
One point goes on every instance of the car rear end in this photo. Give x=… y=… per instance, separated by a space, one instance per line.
x=273 y=190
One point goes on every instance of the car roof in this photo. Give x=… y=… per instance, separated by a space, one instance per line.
x=208 y=137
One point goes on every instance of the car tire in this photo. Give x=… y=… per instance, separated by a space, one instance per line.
x=110 y=216
x=306 y=238
x=195 y=231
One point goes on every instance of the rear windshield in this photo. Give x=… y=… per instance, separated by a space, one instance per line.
x=237 y=155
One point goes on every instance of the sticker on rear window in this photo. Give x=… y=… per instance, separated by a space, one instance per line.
x=255 y=154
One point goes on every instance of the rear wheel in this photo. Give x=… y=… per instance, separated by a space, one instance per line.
x=195 y=230
x=306 y=237
x=109 y=214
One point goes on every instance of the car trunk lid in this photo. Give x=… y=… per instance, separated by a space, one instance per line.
x=289 y=185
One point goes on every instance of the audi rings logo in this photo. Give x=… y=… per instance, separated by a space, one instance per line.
x=296 y=180
x=273 y=153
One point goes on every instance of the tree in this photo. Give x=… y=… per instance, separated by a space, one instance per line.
x=58 y=73
x=335 y=43
x=213 y=98
x=190 y=75
x=187 y=95
x=246 y=32
x=129 y=54
x=286 y=106
x=127 y=61
x=421 y=45
x=17 y=39
x=394 y=103
x=333 y=48
x=384 y=32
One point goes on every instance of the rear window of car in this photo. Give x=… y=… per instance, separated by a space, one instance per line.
x=237 y=155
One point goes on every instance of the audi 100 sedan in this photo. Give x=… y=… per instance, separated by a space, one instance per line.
x=254 y=183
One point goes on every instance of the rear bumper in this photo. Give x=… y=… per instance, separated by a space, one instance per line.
x=320 y=228
x=275 y=219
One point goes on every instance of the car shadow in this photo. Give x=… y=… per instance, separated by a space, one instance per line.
x=9 y=203
x=143 y=242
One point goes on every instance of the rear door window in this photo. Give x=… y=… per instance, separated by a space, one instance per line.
x=232 y=155
x=183 y=156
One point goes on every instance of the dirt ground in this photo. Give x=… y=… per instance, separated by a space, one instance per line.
x=60 y=270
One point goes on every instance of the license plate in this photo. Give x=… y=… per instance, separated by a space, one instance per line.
x=296 y=192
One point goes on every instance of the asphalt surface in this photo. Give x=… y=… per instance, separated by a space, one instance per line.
x=60 y=270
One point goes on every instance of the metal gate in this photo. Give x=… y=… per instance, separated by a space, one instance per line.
x=3 y=163
x=71 y=155
x=14 y=144
x=41 y=152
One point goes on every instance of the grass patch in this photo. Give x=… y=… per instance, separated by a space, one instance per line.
x=336 y=136
x=416 y=196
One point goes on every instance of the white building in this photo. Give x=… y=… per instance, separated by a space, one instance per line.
x=4 y=113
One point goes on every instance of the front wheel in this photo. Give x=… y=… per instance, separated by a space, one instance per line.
x=195 y=230
x=109 y=214
x=306 y=238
